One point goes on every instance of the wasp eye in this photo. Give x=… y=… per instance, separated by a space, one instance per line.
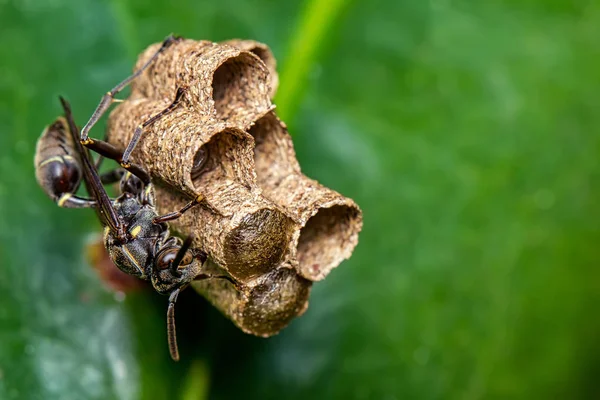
x=166 y=257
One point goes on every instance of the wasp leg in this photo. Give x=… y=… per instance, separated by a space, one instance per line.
x=107 y=150
x=137 y=134
x=201 y=277
x=100 y=159
x=176 y=214
x=70 y=200
x=112 y=176
x=109 y=97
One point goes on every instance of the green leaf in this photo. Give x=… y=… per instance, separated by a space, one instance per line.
x=466 y=131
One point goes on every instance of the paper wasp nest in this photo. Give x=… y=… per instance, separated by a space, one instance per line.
x=266 y=224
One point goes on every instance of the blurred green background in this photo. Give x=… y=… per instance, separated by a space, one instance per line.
x=468 y=131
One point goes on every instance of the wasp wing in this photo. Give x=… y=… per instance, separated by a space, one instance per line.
x=105 y=210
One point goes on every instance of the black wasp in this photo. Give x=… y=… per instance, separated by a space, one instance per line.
x=135 y=236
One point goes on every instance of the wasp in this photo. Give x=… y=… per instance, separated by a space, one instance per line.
x=136 y=237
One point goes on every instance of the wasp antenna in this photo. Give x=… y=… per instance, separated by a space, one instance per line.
x=180 y=254
x=171 y=332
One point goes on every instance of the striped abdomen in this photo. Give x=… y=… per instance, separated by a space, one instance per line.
x=57 y=163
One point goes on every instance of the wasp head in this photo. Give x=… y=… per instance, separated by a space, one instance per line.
x=176 y=265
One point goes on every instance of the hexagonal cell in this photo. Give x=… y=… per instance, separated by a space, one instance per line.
x=264 y=53
x=225 y=156
x=329 y=222
x=239 y=89
x=327 y=239
x=274 y=155
x=221 y=81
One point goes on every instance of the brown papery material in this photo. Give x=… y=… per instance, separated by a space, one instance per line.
x=169 y=147
x=264 y=53
x=261 y=220
x=250 y=240
x=264 y=305
x=222 y=82
x=329 y=223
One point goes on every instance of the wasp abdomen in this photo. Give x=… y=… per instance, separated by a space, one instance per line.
x=57 y=168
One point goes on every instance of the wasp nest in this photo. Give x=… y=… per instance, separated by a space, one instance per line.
x=263 y=222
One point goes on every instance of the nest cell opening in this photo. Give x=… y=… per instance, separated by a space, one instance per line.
x=216 y=159
x=274 y=157
x=265 y=55
x=240 y=88
x=326 y=240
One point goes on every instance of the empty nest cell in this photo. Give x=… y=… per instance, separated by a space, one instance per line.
x=274 y=155
x=222 y=158
x=329 y=223
x=325 y=241
x=222 y=82
x=181 y=149
x=263 y=52
x=238 y=88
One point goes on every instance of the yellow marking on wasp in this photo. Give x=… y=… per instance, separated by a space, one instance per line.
x=60 y=159
x=132 y=259
x=125 y=165
x=87 y=141
x=127 y=175
x=61 y=202
x=136 y=231
x=51 y=160
x=105 y=234
x=199 y=198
